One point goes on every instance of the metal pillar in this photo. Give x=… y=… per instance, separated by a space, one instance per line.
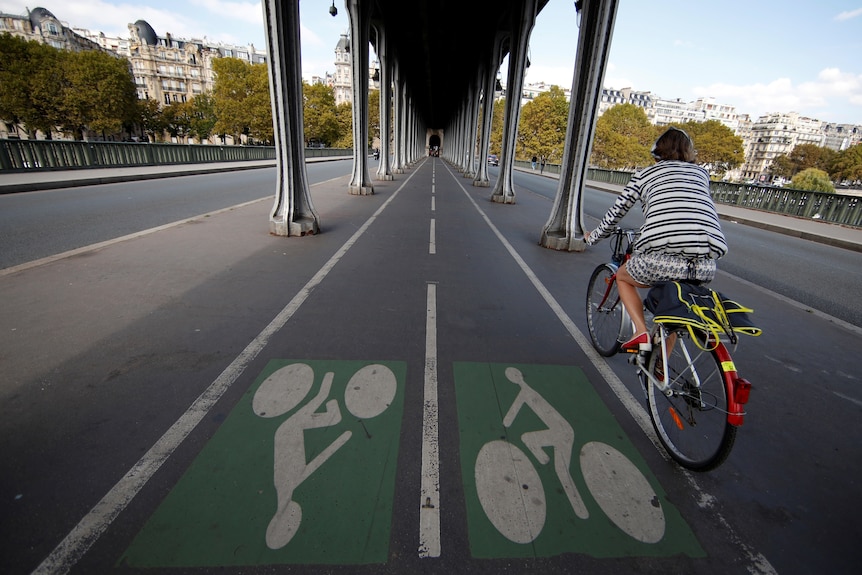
x=383 y=166
x=489 y=83
x=504 y=192
x=565 y=228
x=293 y=213
x=359 y=13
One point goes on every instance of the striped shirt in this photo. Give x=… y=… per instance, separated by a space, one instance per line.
x=679 y=216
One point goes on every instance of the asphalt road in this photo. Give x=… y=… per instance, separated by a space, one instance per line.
x=105 y=352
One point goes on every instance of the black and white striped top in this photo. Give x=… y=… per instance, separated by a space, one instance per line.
x=679 y=216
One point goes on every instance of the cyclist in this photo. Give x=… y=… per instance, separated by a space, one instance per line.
x=680 y=238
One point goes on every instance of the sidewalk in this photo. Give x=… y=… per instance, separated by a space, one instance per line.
x=808 y=229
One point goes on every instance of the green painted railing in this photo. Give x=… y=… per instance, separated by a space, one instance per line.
x=27 y=155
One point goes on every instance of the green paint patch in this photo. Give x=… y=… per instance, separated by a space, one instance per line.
x=547 y=470
x=301 y=472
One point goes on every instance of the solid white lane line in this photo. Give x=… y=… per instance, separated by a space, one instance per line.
x=758 y=563
x=432 y=245
x=100 y=517
x=429 y=504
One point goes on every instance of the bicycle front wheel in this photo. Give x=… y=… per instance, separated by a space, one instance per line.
x=604 y=311
x=691 y=417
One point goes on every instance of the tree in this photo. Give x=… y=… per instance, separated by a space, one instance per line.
x=178 y=119
x=344 y=119
x=15 y=67
x=623 y=138
x=203 y=116
x=241 y=99
x=497 y=120
x=814 y=180
x=373 y=116
x=543 y=124
x=847 y=165
x=801 y=158
x=719 y=150
x=100 y=93
x=318 y=108
x=150 y=119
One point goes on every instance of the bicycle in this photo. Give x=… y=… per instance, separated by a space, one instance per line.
x=695 y=396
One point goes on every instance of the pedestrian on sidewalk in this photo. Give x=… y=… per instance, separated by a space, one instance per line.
x=542 y=169
x=680 y=238
x=533 y=160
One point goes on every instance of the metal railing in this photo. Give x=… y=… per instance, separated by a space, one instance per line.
x=39 y=155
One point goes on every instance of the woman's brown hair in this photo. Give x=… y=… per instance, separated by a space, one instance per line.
x=674 y=144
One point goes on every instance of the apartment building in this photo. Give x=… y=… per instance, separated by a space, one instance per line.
x=42 y=26
x=774 y=135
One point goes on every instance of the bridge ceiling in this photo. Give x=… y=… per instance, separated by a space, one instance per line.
x=441 y=45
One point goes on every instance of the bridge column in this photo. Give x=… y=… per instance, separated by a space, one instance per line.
x=472 y=117
x=359 y=13
x=565 y=228
x=293 y=213
x=489 y=76
x=383 y=166
x=504 y=192
x=398 y=122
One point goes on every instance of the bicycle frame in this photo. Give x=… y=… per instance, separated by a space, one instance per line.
x=738 y=388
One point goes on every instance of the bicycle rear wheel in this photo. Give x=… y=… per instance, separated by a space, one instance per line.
x=691 y=419
x=604 y=311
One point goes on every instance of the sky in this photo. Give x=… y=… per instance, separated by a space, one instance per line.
x=760 y=56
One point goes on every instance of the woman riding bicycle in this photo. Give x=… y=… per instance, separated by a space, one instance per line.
x=680 y=238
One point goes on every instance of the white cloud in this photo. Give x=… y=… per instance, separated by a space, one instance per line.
x=848 y=15
x=832 y=87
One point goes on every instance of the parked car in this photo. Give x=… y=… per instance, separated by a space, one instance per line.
x=493 y=160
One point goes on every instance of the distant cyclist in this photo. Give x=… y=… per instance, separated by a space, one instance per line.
x=681 y=236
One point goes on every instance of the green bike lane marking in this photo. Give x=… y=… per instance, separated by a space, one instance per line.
x=336 y=427
x=301 y=472
x=547 y=470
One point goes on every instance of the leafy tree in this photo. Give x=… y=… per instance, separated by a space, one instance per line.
x=100 y=93
x=15 y=68
x=203 y=116
x=719 y=150
x=623 y=138
x=543 y=124
x=801 y=158
x=497 y=120
x=783 y=167
x=241 y=99
x=806 y=156
x=344 y=119
x=318 y=108
x=814 y=180
x=150 y=119
x=847 y=165
x=373 y=116
x=259 y=105
x=178 y=119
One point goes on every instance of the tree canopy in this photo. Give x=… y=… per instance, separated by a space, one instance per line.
x=719 y=150
x=623 y=138
x=241 y=99
x=847 y=164
x=812 y=179
x=542 y=127
x=801 y=158
x=318 y=109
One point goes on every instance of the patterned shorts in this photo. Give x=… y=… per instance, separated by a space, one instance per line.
x=650 y=269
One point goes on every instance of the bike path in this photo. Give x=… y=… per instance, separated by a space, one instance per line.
x=349 y=389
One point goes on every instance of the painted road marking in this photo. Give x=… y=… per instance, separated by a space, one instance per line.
x=757 y=561
x=301 y=472
x=547 y=470
x=429 y=500
x=97 y=520
x=432 y=246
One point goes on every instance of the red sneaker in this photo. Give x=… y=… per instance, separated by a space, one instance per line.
x=639 y=342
